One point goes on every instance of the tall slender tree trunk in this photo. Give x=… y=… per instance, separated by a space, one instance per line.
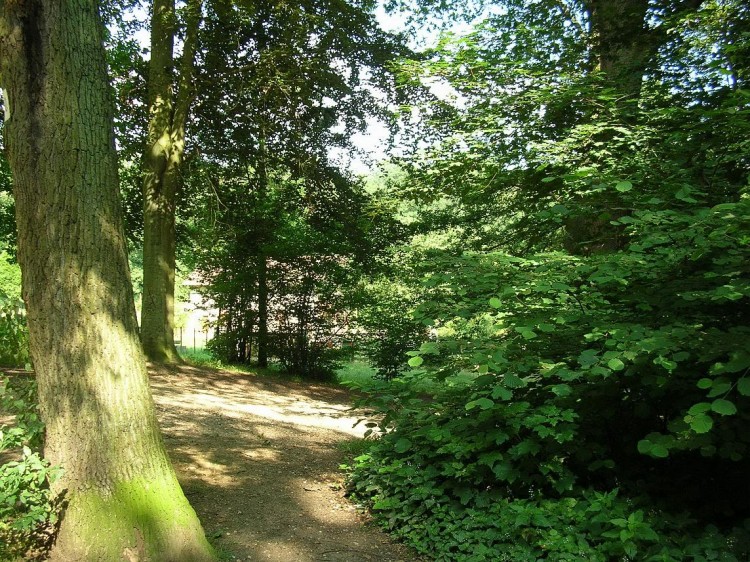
x=163 y=160
x=262 y=259
x=262 y=311
x=123 y=501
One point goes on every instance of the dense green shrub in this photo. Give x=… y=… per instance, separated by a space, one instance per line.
x=558 y=381
x=306 y=358
x=391 y=331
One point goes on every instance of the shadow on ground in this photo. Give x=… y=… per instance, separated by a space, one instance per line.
x=258 y=459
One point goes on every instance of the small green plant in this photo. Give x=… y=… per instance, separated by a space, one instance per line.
x=28 y=512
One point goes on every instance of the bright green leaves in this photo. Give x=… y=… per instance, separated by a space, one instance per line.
x=698 y=419
x=429 y=348
x=739 y=361
x=481 y=403
x=646 y=447
x=495 y=302
x=623 y=186
x=526 y=332
x=415 y=361
x=561 y=390
x=616 y=364
x=723 y=407
x=700 y=423
x=656 y=445
x=501 y=393
x=511 y=380
x=588 y=357
x=721 y=387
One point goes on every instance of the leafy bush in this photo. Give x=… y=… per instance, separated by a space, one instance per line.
x=28 y=511
x=313 y=360
x=593 y=407
x=585 y=392
x=572 y=407
x=392 y=331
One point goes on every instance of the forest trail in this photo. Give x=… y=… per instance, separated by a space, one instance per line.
x=258 y=459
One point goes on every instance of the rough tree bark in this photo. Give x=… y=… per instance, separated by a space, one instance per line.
x=621 y=43
x=123 y=501
x=162 y=161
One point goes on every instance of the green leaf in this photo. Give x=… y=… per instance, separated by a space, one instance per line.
x=481 y=403
x=700 y=423
x=659 y=451
x=502 y=393
x=495 y=302
x=720 y=387
x=705 y=383
x=615 y=364
x=513 y=381
x=738 y=362
x=526 y=332
x=644 y=446
x=743 y=386
x=561 y=389
x=415 y=361
x=623 y=186
x=402 y=445
x=700 y=408
x=724 y=407
x=588 y=357
x=429 y=348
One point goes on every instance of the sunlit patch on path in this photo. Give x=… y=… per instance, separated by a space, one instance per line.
x=258 y=459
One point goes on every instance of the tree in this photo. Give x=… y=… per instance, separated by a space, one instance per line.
x=163 y=159
x=283 y=84
x=122 y=499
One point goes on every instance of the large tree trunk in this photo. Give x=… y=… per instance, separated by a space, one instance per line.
x=622 y=45
x=163 y=160
x=123 y=501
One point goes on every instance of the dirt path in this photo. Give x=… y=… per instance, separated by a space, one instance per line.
x=258 y=459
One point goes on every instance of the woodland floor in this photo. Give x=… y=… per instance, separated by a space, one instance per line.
x=258 y=459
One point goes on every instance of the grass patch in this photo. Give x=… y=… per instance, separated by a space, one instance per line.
x=354 y=447
x=357 y=373
x=204 y=358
